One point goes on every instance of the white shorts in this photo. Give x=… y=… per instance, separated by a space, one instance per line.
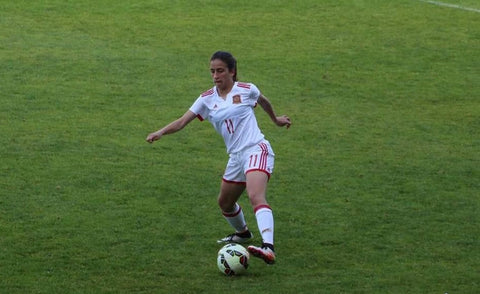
x=259 y=157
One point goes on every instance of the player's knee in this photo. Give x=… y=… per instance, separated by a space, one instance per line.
x=257 y=199
x=225 y=205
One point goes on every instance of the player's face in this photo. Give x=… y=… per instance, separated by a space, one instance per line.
x=221 y=75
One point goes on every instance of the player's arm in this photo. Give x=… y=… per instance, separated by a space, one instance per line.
x=280 y=121
x=172 y=127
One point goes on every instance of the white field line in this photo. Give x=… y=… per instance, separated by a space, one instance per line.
x=451 y=5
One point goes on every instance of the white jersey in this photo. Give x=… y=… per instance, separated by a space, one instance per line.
x=233 y=118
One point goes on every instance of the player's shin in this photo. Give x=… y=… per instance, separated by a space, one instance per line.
x=264 y=216
x=236 y=218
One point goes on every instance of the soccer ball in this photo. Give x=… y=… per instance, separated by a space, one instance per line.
x=233 y=259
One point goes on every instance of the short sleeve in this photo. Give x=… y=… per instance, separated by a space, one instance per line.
x=254 y=93
x=199 y=108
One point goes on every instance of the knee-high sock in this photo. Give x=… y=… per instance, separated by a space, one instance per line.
x=264 y=216
x=236 y=218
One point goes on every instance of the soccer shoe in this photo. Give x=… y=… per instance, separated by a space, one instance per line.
x=237 y=238
x=265 y=253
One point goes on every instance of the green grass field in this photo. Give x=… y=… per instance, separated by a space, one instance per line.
x=376 y=184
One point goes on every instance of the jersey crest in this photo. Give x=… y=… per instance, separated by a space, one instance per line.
x=208 y=93
x=237 y=99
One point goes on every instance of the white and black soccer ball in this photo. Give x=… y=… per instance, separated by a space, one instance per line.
x=233 y=259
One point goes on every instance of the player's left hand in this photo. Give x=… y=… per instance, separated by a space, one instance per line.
x=283 y=121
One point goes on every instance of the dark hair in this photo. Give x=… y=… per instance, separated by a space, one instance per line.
x=229 y=60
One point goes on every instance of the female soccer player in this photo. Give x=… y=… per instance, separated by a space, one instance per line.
x=229 y=108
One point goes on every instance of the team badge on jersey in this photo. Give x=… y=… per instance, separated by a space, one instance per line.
x=236 y=99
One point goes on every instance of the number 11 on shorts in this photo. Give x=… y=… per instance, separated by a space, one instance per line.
x=253 y=160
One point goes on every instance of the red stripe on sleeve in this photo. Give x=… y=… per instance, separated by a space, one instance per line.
x=243 y=85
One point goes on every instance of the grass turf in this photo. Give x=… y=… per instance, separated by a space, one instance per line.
x=375 y=188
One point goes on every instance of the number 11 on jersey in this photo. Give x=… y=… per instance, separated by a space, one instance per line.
x=229 y=124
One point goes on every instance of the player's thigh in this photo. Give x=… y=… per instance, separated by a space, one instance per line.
x=257 y=187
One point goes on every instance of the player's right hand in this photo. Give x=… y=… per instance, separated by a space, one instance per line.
x=153 y=137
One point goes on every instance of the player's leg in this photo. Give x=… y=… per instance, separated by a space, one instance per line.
x=229 y=194
x=256 y=189
x=258 y=167
x=232 y=211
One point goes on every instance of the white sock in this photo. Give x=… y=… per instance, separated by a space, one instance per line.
x=236 y=218
x=264 y=216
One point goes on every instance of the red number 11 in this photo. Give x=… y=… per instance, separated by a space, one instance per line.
x=254 y=159
x=229 y=124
